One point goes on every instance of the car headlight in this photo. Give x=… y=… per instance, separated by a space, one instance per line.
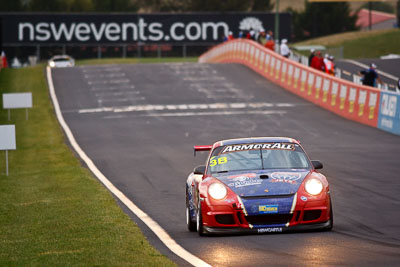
x=314 y=186
x=52 y=64
x=217 y=191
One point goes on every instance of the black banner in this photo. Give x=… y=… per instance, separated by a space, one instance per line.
x=27 y=28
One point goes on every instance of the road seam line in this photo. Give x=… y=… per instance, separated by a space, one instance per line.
x=165 y=238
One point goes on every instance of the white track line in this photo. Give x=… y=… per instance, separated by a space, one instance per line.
x=154 y=226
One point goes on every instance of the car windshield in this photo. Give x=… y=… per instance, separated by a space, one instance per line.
x=61 y=59
x=258 y=156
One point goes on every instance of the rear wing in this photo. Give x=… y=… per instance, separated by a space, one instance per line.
x=201 y=148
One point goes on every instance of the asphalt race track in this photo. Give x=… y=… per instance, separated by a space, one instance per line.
x=138 y=123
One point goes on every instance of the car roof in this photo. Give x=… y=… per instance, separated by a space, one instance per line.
x=60 y=56
x=256 y=140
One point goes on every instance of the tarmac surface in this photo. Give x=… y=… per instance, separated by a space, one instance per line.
x=138 y=123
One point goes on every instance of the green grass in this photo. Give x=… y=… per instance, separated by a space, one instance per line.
x=365 y=44
x=134 y=60
x=53 y=212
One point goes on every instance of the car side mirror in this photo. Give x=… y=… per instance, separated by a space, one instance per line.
x=317 y=164
x=200 y=170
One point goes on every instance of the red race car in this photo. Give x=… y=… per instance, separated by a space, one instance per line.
x=257 y=185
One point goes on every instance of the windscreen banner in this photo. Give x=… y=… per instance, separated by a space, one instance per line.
x=28 y=28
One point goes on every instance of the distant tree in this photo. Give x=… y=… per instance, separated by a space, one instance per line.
x=80 y=5
x=205 y=5
x=261 y=5
x=319 y=19
x=398 y=13
x=47 y=6
x=13 y=5
x=164 y=5
x=114 y=5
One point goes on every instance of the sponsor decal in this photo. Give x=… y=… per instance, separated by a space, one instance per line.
x=285 y=177
x=268 y=209
x=249 y=175
x=303 y=198
x=218 y=161
x=389 y=104
x=233 y=148
x=343 y=94
x=270 y=230
x=242 y=181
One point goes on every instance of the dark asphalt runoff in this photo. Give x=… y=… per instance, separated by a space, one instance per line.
x=138 y=123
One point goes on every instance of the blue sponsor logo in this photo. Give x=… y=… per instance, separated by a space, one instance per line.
x=389 y=112
x=268 y=209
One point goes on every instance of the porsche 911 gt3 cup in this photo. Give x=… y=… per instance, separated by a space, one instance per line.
x=257 y=185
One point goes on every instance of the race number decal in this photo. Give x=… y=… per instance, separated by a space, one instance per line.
x=218 y=161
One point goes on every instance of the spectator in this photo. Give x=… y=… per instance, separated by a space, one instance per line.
x=370 y=76
x=330 y=65
x=4 y=63
x=240 y=34
x=252 y=34
x=318 y=62
x=270 y=44
x=262 y=38
x=311 y=56
x=285 y=51
x=230 y=36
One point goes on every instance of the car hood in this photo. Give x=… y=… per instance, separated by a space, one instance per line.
x=263 y=182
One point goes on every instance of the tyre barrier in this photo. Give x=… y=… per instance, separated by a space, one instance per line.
x=356 y=102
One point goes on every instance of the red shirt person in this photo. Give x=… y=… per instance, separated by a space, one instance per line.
x=317 y=62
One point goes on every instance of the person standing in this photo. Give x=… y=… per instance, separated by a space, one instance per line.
x=285 y=51
x=270 y=44
x=312 y=55
x=318 y=62
x=330 y=66
x=370 y=76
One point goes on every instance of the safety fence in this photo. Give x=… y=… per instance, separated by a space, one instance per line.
x=370 y=106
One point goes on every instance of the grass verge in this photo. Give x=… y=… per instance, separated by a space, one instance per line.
x=53 y=212
x=134 y=60
x=364 y=44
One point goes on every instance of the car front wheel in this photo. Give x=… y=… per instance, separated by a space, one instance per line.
x=199 y=221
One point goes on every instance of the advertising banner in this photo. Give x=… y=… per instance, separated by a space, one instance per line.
x=389 y=112
x=30 y=28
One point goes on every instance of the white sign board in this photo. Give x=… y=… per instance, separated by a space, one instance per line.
x=7 y=137
x=17 y=100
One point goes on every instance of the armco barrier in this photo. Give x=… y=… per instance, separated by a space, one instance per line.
x=352 y=101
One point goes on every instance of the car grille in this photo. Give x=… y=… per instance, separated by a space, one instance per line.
x=310 y=215
x=225 y=219
x=269 y=219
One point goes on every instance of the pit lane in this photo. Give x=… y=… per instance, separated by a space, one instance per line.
x=138 y=123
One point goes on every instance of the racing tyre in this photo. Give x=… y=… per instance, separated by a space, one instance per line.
x=199 y=221
x=191 y=225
